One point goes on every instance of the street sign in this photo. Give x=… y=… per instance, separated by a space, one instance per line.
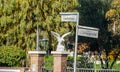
x=72 y=17
x=88 y=31
x=69 y=17
x=80 y=30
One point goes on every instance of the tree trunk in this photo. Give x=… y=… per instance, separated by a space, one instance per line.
x=106 y=60
x=101 y=60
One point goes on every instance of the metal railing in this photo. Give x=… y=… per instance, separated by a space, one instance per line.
x=83 y=70
x=91 y=70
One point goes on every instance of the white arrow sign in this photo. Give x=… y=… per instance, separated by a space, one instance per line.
x=88 y=31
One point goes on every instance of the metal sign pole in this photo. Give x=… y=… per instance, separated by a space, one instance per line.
x=80 y=30
x=76 y=40
x=72 y=17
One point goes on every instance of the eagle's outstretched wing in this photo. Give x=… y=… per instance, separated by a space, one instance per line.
x=55 y=34
x=65 y=34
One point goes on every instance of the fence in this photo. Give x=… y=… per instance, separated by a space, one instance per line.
x=92 y=70
x=44 y=69
x=84 y=70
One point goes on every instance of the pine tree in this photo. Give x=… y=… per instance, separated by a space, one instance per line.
x=19 y=20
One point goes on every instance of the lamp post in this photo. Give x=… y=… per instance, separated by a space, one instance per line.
x=44 y=42
x=37 y=38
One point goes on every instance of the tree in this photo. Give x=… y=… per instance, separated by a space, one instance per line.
x=113 y=18
x=52 y=18
x=92 y=14
x=19 y=20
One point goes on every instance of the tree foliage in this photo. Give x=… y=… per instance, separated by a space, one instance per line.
x=93 y=14
x=19 y=20
x=113 y=16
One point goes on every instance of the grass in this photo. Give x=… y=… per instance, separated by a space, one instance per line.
x=115 y=66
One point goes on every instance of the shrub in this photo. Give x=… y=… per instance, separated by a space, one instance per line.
x=48 y=62
x=11 y=56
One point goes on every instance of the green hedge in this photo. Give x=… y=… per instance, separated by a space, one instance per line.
x=11 y=56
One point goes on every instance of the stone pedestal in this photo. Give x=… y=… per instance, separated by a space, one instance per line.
x=60 y=61
x=36 y=60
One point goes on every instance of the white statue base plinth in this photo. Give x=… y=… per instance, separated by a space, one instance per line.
x=59 y=52
x=36 y=52
x=60 y=48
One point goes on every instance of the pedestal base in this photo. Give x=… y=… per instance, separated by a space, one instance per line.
x=36 y=60
x=60 y=61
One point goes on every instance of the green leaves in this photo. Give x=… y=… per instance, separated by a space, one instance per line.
x=11 y=56
x=19 y=20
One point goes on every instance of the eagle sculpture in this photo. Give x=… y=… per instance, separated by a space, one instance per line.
x=60 y=39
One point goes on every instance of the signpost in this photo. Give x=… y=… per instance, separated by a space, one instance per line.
x=80 y=30
x=72 y=17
